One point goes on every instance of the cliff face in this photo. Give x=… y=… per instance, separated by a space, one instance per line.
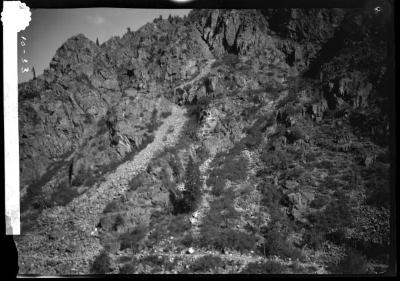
x=280 y=103
x=88 y=79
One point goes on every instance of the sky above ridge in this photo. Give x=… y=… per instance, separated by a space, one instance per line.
x=50 y=28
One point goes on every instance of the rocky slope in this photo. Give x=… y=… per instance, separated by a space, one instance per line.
x=279 y=165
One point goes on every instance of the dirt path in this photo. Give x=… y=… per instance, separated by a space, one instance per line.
x=243 y=259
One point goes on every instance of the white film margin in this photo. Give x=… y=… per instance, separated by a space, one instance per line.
x=15 y=17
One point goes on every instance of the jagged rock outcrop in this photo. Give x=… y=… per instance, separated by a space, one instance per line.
x=232 y=31
x=304 y=31
x=91 y=78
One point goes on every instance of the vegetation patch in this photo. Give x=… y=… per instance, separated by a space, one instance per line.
x=276 y=243
x=230 y=60
x=219 y=229
x=276 y=160
x=206 y=263
x=352 y=263
x=136 y=182
x=268 y=267
x=165 y=114
x=101 y=264
x=223 y=239
x=227 y=166
x=132 y=240
x=188 y=200
x=113 y=206
x=63 y=194
x=254 y=135
x=333 y=219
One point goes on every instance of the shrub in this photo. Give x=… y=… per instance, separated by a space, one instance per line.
x=190 y=197
x=165 y=114
x=88 y=119
x=101 y=264
x=135 y=182
x=352 y=263
x=110 y=242
x=297 y=268
x=275 y=242
x=268 y=267
x=288 y=111
x=312 y=156
x=222 y=211
x=378 y=186
x=178 y=224
x=176 y=167
x=124 y=259
x=337 y=214
x=216 y=232
x=170 y=225
x=119 y=220
x=314 y=239
x=84 y=177
x=270 y=199
x=206 y=263
x=337 y=236
x=324 y=164
x=330 y=183
x=290 y=99
x=294 y=134
x=41 y=202
x=225 y=208
x=202 y=153
x=62 y=195
x=128 y=268
x=238 y=240
x=254 y=134
x=276 y=159
x=379 y=195
x=253 y=139
x=254 y=268
x=133 y=238
x=190 y=130
x=294 y=173
x=158 y=233
x=153 y=122
x=222 y=239
x=187 y=240
x=319 y=201
x=216 y=63
x=154 y=260
x=79 y=179
x=170 y=130
x=228 y=59
x=217 y=186
x=112 y=207
x=227 y=166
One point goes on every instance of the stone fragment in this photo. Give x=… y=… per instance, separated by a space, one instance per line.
x=291 y=184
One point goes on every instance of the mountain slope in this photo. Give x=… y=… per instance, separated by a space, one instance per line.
x=279 y=165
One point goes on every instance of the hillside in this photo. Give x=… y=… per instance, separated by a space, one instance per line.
x=228 y=141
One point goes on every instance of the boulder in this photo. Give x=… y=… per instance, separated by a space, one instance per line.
x=369 y=160
x=291 y=184
x=55 y=234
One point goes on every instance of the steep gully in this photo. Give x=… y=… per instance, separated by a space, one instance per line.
x=83 y=212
